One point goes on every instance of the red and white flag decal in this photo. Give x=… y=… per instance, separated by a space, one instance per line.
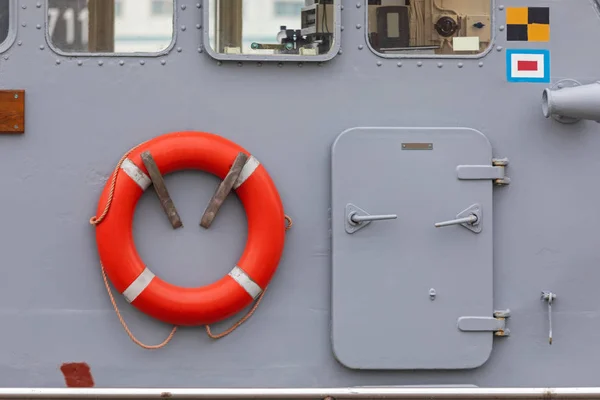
x=528 y=65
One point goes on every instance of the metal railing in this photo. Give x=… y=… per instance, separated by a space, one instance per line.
x=363 y=392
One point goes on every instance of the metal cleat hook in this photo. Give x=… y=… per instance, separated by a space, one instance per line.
x=549 y=297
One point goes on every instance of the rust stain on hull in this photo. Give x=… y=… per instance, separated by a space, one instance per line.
x=77 y=375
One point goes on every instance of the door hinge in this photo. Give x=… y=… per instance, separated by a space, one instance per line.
x=496 y=324
x=495 y=172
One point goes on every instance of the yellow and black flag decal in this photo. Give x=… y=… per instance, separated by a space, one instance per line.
x=528 y=24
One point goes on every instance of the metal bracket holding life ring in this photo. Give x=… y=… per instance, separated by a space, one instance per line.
x=121 y=263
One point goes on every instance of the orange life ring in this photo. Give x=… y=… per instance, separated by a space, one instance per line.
x=220 y=299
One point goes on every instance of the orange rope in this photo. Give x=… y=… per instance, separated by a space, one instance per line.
x=97 y=220
x=135 y=340
x=254 y=307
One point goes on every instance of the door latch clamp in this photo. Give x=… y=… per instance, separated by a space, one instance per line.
x=496 y=324
x=494 y=172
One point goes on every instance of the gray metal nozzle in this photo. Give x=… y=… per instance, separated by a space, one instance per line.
x=572 y=103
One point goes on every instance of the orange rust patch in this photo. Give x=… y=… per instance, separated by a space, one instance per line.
x=77 y=375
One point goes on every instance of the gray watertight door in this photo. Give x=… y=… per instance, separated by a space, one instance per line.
x=407 y=294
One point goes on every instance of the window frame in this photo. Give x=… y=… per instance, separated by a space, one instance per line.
x=63 y=53
x=13 y=21
x=493 y=29
x=335 y=48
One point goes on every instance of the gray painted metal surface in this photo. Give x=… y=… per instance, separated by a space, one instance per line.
x=83 y=113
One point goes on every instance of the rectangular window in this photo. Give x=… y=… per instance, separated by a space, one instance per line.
x=275 y=29
x=429 y=27
x=109 y=26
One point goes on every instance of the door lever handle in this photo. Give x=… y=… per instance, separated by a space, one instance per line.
x=357 y=218
x=354 y=218
x=470 y=218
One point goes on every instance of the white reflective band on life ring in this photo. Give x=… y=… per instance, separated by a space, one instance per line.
x=136 y=174
x=138 y=285
x=245 y=282
x=248 y=169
